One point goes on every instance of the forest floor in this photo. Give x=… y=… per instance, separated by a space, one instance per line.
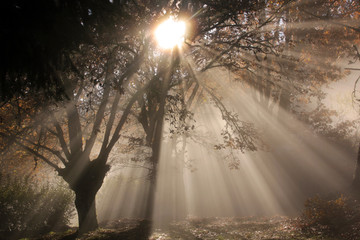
x=245 y=228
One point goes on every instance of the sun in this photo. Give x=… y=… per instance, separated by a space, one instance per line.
x=170 y=33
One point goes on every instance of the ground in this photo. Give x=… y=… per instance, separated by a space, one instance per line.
x=229 y=228
x=246 y=228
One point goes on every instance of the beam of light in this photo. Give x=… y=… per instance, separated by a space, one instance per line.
x=123 y=194
x=170 y=33
x=266 y=183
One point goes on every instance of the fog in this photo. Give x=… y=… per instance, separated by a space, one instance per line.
x=196 y=180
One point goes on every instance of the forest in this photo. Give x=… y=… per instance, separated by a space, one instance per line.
x=179 y=119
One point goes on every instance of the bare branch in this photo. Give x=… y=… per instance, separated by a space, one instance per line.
x=54 y=152
x=60 y=135
x=122 y=121
x=110 y=123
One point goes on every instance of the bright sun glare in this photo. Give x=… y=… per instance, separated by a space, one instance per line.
x=170 y=33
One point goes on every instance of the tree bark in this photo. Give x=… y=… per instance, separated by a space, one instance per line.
x=86 y=185
x=356 y=180
x=284 y=102
x=154 y=136
x=86 y=209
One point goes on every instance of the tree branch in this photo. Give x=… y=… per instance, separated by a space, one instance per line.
x=110 y=123
x=56 y=153
x=122 y=121
x=60 y=135
x=36 y=154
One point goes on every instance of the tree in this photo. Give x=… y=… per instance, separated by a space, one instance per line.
x=288 y=64
x=180 y=76
x=91 y=78
x=356 y=180
x=280 y=66
x=334 y=38
x=83 y=176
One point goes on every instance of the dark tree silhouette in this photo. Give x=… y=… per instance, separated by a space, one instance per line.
x=74 y=59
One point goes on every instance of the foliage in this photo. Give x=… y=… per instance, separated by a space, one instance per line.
x=323 y=122
x=39 y=36
x=180 y=118
x=330 y=213
x=331 y=216
x=27 y=206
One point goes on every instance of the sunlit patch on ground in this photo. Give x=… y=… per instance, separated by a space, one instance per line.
x=250 y=228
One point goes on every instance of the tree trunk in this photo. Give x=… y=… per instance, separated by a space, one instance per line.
x=356 y=180
x=285 y=96
x=86 y=183
x=284 y=104
x=153 y=175
x=85 y=207
x=154 y=136
x=147 y=224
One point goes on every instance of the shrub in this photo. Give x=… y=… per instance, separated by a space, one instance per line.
x=27 y=206
x=332 y=215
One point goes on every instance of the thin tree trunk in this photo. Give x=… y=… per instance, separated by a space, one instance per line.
x=156 y=147
x=356 y=180
x=285 y=97
x=284 y=104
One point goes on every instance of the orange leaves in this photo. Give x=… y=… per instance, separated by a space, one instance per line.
x=303 y=99
x=306 y=57
x=356 y=15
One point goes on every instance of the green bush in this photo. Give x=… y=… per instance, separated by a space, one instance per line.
x=27 y=206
